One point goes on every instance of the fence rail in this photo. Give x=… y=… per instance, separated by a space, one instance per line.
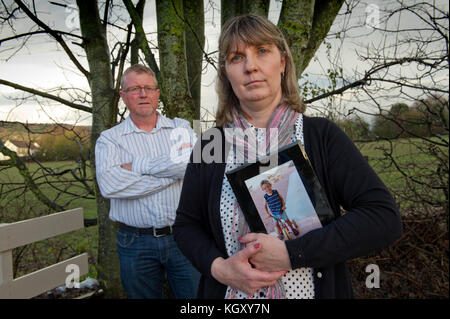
x=21 y=233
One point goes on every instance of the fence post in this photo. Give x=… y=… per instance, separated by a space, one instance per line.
x=6 y=270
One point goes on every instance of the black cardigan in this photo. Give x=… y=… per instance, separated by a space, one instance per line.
x=371 y=221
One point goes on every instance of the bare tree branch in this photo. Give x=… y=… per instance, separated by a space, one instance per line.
x=56 y=36
x=46 y=95
x=18 y=36
x=143 y=43
x=23 y=170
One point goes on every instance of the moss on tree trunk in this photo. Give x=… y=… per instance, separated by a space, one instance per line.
x=171 y=43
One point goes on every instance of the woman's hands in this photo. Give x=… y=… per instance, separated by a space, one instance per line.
x=237 y=272
x=272 y=255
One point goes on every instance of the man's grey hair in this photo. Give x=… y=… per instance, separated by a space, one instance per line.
x=139 y=69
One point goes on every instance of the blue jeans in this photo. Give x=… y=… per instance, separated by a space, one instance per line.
x=143 y=262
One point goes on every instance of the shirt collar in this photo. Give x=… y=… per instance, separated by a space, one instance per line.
x=164 y=122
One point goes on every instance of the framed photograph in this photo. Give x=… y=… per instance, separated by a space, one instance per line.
x=285 y=200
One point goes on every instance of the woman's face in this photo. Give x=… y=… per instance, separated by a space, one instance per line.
x=255 y=73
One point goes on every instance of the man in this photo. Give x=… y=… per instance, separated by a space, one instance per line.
x=140 y=166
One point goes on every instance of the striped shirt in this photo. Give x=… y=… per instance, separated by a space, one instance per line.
x=274 y=203
x=148 y=195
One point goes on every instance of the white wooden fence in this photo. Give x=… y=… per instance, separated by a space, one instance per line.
x=32 y=230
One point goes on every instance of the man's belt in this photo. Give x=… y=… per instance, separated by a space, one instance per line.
x=157 y=232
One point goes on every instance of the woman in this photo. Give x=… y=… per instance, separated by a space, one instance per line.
x=257 y=89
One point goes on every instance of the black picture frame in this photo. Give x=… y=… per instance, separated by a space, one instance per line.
x=295 y=155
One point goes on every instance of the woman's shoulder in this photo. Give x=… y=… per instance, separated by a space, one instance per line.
x=315 y=121
x=319 y=125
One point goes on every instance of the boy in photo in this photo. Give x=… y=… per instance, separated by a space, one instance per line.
x=277 y=206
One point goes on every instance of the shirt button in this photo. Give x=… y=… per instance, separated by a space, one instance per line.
x=319 y=275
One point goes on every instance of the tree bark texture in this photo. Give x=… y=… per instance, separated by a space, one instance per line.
x=230 y=9
x=171 y=43
x=305 y=24
x=104 y=116
x=195 y=42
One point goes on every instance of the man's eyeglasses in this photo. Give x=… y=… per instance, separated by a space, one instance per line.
x=137 y=89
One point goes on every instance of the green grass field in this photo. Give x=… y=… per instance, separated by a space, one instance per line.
x=62 y=189
x=413 y=169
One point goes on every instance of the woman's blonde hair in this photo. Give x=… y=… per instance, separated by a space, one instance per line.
x=253 y=30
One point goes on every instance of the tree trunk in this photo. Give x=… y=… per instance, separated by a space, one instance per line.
x=136 y=14
x=195 y=42
x=140 y=42
x=230 y=9
x=305 y=24
x=173 y=69
x=135 y=44
x=104 y=114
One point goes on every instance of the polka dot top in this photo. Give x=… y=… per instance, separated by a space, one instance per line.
x=297 y=283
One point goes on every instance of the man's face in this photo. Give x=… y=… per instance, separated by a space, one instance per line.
x=142 y=103
x=266 y=188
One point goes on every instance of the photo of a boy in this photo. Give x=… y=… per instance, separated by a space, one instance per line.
x=275 y=207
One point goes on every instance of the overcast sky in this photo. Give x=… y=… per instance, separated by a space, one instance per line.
x=42 y=63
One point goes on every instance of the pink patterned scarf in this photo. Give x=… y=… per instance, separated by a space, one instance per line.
x=243 y=138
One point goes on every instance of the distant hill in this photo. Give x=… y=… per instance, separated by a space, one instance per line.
x=26 y=131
